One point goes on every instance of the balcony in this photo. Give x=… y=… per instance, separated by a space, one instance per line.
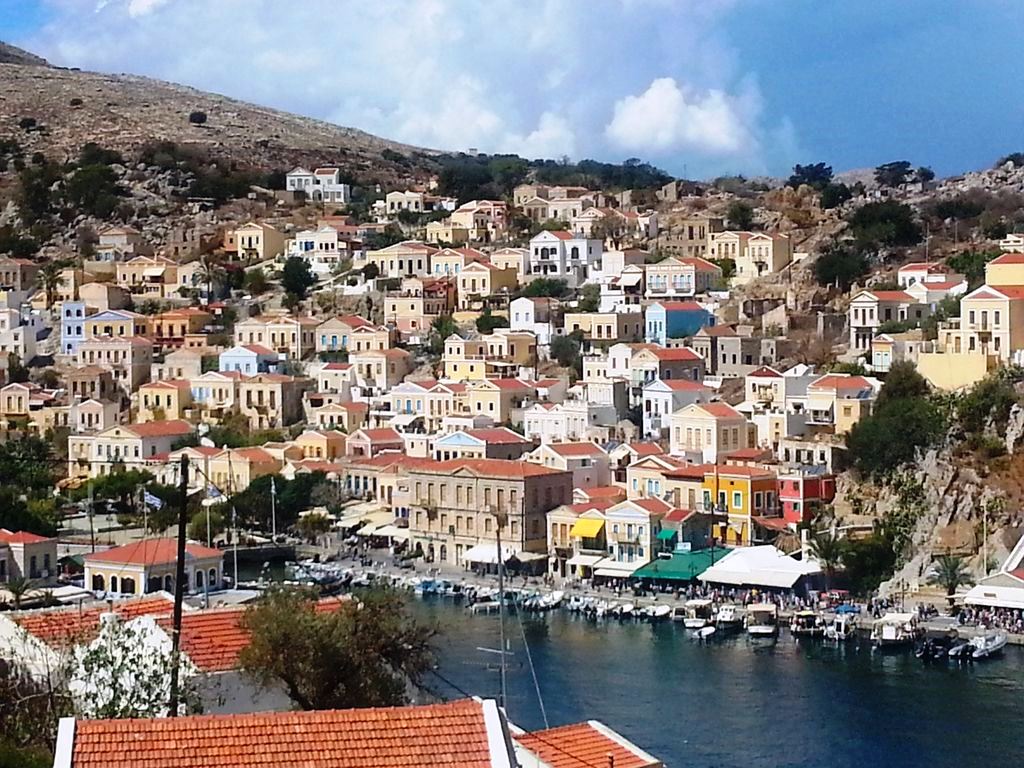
x=820 y=417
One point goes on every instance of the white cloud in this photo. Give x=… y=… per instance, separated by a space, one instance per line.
x=507 y=75
x=670 y=117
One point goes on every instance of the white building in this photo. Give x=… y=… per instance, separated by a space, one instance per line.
x=566 y=422
x=322 y=247
x=18 y=333
x=663 y=398
x=535 y=314
x=564 y=256
x=322 y=185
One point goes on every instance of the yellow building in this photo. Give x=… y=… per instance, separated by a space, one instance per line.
x=447 y=231
x=418 y=303
x=258 y=242
x=497 y=398
x=233 y=469
x=738 y=496
x=481 y=279
x=149 y=565
x=451 y=261
x=1007 y=269
x=840 y=400
x=321 y=444
x=405 y=259
x=606 y=326
x=496 y=355
x=160 y=400
x=991 y=322
x=116 y=323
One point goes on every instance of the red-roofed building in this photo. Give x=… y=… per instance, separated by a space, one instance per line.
x=870 y=310
x=681 y=277
x=27 y=555
x=838 y=401
x=370 y=442
x=148 y=565
x=663 y=397
x=704 y=432
x=588 y=462
x=564 y=256
x=484 y=443
x=130 y=445
x=803 y=494
x=462 y=734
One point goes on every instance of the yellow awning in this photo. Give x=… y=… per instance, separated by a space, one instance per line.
x=586 y=528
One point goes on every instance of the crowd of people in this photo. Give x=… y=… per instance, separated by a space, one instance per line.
x=1008 y=619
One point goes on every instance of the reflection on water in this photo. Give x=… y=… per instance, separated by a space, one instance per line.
x=737 y=702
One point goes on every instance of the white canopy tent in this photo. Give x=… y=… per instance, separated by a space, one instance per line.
x=763 y=566
x=488 y=554
x=613 y=569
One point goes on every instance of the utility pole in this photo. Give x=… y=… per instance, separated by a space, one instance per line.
x=179 y=585
x=92 y=528
x=273 y=509
x=500 y=519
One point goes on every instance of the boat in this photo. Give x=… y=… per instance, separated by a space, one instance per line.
x=659 y=612
x=486 y=606
x=626 y=611
x=960 y=650
x=699 y=613
x=679 y=613
x=728 y=618
x=807 y=624
x=933 y=649
x=986 y=646
x=762 y=620
x=706 y=633
x=895 y=630
x=842 y=626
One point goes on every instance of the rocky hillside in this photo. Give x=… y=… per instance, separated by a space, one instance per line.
x=124 y=112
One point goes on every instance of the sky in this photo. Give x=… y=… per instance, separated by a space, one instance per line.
x=699 y=87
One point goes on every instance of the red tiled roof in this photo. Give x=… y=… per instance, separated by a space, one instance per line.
x=838 y=381
x=151 y=552
x=453 y=734
x=684 y=385
x=681 y=306
x=698 y=263
x=720 y=410
x=736 y=470
x=337 y=366
x=499 y=468
x=160 y=428
x=764 y=372
x=678 y=515
x=933 y=268
x=646 y=449
x=604 y=492
x=355 y=321
x=576 y=449
x=509 y=384
x=1009 y=258
x=585 y=745
x=70 y=625
x=652 y=505
x=586 y=506
x=1009 y=291
x=20 y=537
x=259 y=349
x=891 y=295
x=561 y=234
x=687 y=471
x=497 y=436
x=676 y=354
x=749 y=453
x=381 y=435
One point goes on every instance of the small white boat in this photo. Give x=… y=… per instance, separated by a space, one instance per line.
x=679 y=613
x=659 y=612
x=728 y=618
x=986 y=646
x=762 y=620
x=842 y=627
x=699 y=613
x=895 y=630
x=807 y=624
x=706 y=633
x=626 y=610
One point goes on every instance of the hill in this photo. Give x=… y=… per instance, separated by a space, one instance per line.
x=124 y=112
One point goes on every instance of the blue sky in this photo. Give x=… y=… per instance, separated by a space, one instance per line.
x=709 y=87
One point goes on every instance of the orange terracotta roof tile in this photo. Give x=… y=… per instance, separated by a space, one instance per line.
x=160 y=428
x=585 y=745
x=497 y=468
x=152 y=552
x=576 y=449
x=66 y=626
x=453 y=734
x=20 y=537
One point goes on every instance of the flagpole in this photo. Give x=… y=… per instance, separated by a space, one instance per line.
x=273 y=509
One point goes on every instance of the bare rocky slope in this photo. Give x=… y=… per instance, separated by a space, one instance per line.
x=123 y=112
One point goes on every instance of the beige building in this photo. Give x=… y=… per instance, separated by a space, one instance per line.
x=455 y=508
x=498 y=398
x=116 y=323
x=272 y=400
x=155 y=277
x=447 y=232
x=690 y=236
x=160 y=400
x=681 y=276
x=499 y=354
x=705 y=432
x=18 y=274
x=233 y=469
x=380 y=369
x=130 y=446
x=128 y=359
x=482 y=279
x=405 y=259
x=606 y=326
x=991 y=323
x=514 y=258
x=414 y=308
x=756 y=253
x=150 y=565
x=837 y=401
x=258 y=242
x=1007 y=269
x=294 y=337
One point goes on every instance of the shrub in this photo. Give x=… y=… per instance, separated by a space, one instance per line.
x=75 y=102
x=27 y=123
x=197 y=117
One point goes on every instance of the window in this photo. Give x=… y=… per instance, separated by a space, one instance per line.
x=737 y=500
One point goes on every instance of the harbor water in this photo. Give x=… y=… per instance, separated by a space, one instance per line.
x=737 y=702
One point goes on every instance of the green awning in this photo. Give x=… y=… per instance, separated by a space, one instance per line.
x=665 y=534
x=682 y=566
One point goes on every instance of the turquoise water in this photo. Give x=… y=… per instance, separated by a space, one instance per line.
x=741 y=703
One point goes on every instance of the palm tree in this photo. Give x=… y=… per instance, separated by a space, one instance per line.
x=950 y=572
x=50 y=279
x=18 y=587
x=210 y=271
x=827 y=549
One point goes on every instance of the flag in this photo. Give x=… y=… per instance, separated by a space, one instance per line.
x=213 y=492
x=153 y=501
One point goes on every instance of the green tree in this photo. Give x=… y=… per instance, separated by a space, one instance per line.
x=371 y=271
x=816 y=175
x=841 y=265
x=18 y=587
x=827 y=548
x=990 y=400
x=950 y=573
x=834 y=195
x=442 y=327
x=565 y=350
x=50 y=280
x=887 y=223
x=27 y=464
x=297 y=278
x=255 y=282
x=589 y=298
x=892 y=174
x=971 y=264
x=312 y=525
x=487 y=321
x=546 y=286
x=197 y=525
x=868 y=561
x=367 y=652
x=93 y=190
x=924 y=174
x=30 y=709
x=903 y=382
x=740 y=215
x=727 y=265
x=891 y=436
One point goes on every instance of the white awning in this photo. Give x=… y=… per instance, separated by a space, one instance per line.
x=610 y=568
x=530 y=557
x=393 y=532
x=586 y=561
x=763 y=566
x=153 y=271
x=375 y=520
x=995 y=597
x=404 y=419
x=488 y=554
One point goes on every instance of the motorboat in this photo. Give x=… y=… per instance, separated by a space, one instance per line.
x=807 y=624
x=986 y=646
x=706 y=633
x=728 y=618
x=679 y=613
x=699 y=613
x=762 y=620
x=626 y=610
x=659 y=612
x=960 y=650
x=895 y=630
x=842 y=626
